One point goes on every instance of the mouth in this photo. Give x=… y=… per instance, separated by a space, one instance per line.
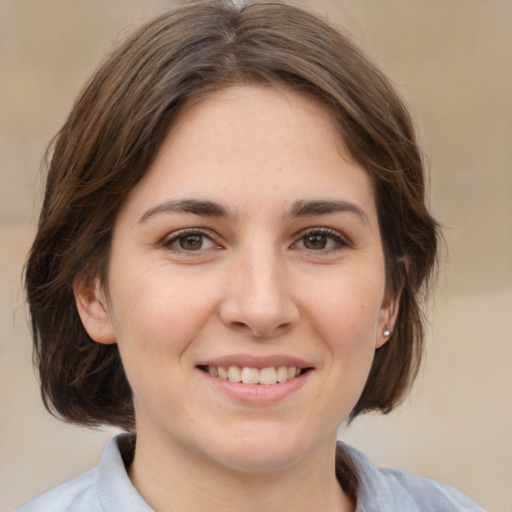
x=255 y=376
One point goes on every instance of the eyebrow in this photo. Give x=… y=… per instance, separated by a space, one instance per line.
x=192 y=206
x=324 y=207
x=301 y=208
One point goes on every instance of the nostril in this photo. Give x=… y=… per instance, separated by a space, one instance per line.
x=239 y=326
x=260 y=329
x=261 y=317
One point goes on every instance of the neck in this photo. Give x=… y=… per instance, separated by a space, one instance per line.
x=165 y=474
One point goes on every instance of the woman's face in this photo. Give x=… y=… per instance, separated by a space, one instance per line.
x=251 y=247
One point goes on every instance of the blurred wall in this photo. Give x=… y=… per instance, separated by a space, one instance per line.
x=452 y=61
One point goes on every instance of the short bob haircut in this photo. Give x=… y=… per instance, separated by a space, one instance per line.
x=114 y=131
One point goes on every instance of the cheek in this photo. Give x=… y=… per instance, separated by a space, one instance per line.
x=347 y=310
x=158 y=311
x=157 y=316
x=345 y=320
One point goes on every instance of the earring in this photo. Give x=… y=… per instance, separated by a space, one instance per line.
x=387 y=332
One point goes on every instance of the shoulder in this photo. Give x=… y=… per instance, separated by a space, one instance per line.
x=106 y=488
x=79 y=495
x=427 y=494
x=390 y=490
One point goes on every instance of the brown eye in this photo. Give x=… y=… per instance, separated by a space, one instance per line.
x=315 y=241
x=191 y=242
x=321 y=239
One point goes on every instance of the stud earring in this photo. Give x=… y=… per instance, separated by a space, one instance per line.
x=387 y=332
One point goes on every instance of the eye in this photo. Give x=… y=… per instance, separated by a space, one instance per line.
x=189 y=241
x=321 y=240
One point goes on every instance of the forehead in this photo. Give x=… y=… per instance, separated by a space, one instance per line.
x=246 y=143
x=247 y=114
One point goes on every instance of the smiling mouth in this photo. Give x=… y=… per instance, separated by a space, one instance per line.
x=247 y=375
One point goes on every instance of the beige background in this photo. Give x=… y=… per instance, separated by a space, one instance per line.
x=452 y=60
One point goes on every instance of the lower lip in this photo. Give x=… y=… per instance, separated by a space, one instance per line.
x=257 y=394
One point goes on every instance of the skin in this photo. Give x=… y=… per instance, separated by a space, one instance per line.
x=262 y=279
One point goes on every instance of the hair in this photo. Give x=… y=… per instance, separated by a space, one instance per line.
x=114 y=131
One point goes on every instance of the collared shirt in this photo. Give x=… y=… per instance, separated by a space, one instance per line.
x=107 y=488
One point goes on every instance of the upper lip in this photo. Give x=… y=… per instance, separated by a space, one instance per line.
x=259 y=362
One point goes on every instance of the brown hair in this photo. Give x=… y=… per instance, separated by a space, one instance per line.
x=115 y=130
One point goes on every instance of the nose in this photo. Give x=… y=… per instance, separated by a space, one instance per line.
x=258 y=300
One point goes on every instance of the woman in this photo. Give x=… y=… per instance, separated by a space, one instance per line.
x=229 y=262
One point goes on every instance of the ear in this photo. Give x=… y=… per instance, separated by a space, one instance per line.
x=92 y=307
x=387 y=318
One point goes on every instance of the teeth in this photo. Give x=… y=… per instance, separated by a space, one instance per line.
x=234 y=374
x=282 y=374
x=266 y=376
x=222 y=371
x=250 y=376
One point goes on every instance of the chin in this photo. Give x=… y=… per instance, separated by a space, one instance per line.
x=260 y=454
x=259 y=461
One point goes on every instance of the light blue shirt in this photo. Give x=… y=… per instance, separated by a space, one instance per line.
x=108 y=488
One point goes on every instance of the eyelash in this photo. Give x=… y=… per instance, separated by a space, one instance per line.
x=170 y=242
x=340 y=241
